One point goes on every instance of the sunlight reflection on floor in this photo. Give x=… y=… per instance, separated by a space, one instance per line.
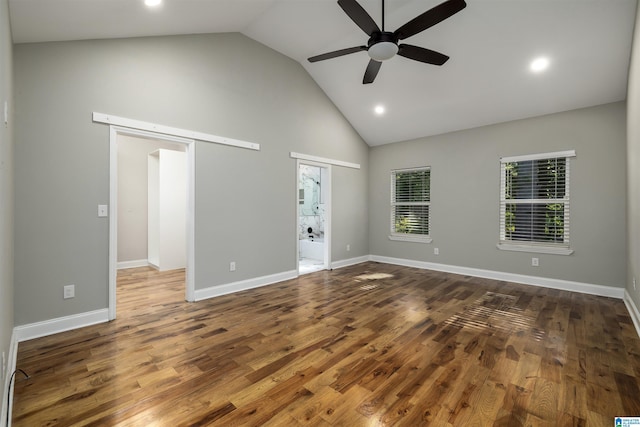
x=374 y=276
x=495 y=312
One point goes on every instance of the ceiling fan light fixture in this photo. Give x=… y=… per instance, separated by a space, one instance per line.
x=382 y=51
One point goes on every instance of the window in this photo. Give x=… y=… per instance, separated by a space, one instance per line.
x=410 y=202
x=534 y=203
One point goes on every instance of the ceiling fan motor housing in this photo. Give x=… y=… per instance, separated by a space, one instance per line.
x=382 y=45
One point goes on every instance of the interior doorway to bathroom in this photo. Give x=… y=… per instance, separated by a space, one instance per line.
x=314 y=217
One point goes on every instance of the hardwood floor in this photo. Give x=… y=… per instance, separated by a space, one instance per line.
x=367 y=345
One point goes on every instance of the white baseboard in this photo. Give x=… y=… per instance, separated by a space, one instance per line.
x=7 y=386
x=243 y=285
x=564 y=285
x=60 y=324
x=350 y=261
x=132 y=264
x=633 y=311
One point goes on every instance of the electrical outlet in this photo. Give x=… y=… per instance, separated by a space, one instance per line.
x=69 y=291
x=535 y=262
x=232 y=266
x=436 y=251
x=348 y=248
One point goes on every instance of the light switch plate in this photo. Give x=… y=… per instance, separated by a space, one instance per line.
x=69 y=291
x=103 y=211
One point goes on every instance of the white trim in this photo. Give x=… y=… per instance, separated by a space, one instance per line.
x=311 y=158
x=113 y=218
x=633 y=311
x=243 y=285
x=349 y=262
x=328 y=203
x=7 y=388
x=414 y=169
x=538 y=156
x=141 y=133
x=60 y=324
x=534 y=249
x=410 y=238
x=167 y=130
x=190 y=272
x=133 y=264
x=565 y=285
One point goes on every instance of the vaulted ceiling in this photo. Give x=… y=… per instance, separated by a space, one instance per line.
x=487 y=80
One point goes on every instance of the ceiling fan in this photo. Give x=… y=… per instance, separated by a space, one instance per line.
x=383 y=45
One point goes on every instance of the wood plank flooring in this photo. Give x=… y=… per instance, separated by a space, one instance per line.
x=367 y=345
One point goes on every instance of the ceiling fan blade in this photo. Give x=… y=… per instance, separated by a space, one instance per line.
x=421 y=54
x=430 y=18
x=358 y=15
x=336 y=53
x=372 y=71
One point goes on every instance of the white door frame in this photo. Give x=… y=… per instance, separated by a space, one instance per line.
x=114 y=132
x=327 y=218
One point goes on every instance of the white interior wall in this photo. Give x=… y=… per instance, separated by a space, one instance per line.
x=167 y=232
x=465 y=192
x=222 y=84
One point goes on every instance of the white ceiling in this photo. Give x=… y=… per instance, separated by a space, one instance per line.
x=487 y=80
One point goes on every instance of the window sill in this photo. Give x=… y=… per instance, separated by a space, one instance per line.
x=408 y=238
x=554 y=250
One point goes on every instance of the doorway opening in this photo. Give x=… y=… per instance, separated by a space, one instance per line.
x=152 y=205
x=314 y=216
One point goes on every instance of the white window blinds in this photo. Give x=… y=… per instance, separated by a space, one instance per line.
x=534 y=199
x=410 y=202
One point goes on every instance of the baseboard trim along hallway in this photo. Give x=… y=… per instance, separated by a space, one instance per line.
x=60 y=324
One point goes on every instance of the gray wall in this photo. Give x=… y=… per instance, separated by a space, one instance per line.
x=6 y=188
x=223 y=84
x=465 y=186
x=633 y=167
x=133 y=192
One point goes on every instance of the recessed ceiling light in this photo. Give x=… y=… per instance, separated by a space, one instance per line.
x=539 y=64
x=379 y=110
x=152 y=3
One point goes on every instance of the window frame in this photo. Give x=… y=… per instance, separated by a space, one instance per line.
x=560 y=248
x=408 y=237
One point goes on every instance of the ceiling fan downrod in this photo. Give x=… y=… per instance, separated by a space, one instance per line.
x=382 y=45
